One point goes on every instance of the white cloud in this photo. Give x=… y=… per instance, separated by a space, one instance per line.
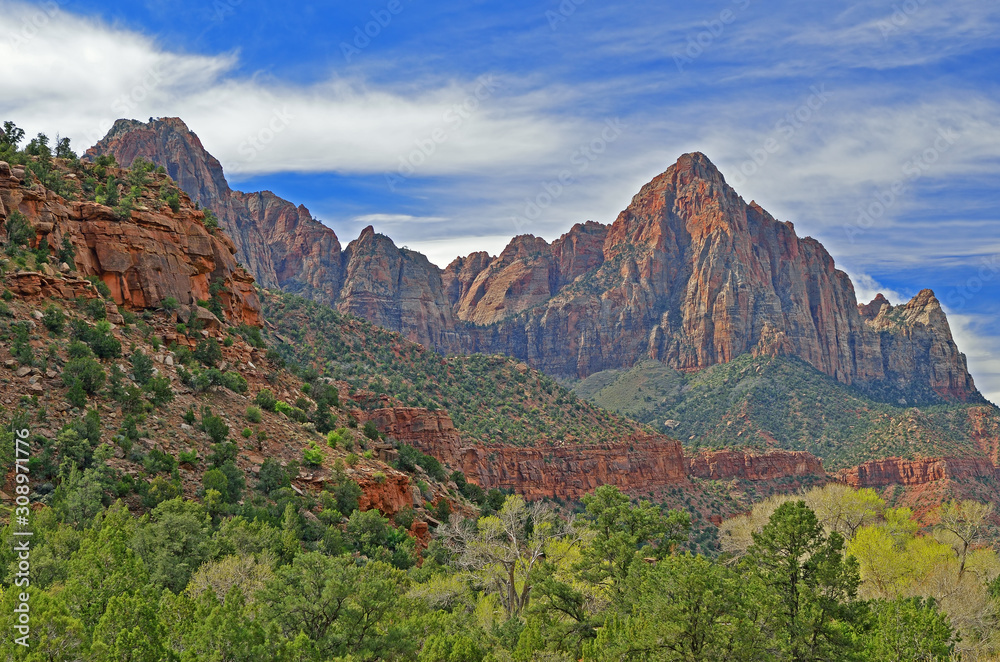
x=77 y=76
x=976 y=337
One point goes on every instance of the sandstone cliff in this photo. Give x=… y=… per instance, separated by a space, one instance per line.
x=153 y=254
x=689 y=274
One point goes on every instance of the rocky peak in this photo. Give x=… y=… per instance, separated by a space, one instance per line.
x=688 y=274
x=870 y=311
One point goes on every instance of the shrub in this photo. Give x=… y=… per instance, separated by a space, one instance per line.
x=54 y=319
x=253 y=414
x=352 y=459
x=246 y=433
x=379 y=477
x=312 y=455
x=188 y=457
x=371 y=431
x=159 y=390
x=189 y=416
x=283 y=407
x=211 y=220
x=85 y=371
x=95 y=309
x=142 y=368
x=101 y=287
x=169 y=304
x=157 y=461
x=235 y=382
x=208 y=352
x=405 y=517
x=77 y=396
x=266 y=400
x=272 y=476
x=215 y=427
x=78 y=350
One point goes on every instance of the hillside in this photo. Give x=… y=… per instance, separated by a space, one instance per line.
x=781 y=402
x=491 y=399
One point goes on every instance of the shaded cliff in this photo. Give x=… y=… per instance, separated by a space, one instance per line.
x=688 y=274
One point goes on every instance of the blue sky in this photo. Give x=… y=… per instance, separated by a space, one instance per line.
x=873 y=126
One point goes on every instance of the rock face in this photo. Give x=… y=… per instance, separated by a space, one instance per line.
x=571 y=471
x=728 y=464
x=389 y=496
x=689 y=274
x=896 y=471
x=154 y=254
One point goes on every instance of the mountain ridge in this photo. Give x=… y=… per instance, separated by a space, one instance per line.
x=688 y=274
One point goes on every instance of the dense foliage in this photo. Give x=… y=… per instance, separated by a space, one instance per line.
x=490 y=398
x=769 y=402
x=524 y=583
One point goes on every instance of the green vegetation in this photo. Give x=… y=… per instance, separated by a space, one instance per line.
x=491 y=399
x=780 y=403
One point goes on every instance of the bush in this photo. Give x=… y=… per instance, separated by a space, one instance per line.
x=246 y=433
x=87 y=372
x=266 y=400
x=95 y=309
x=313 y=456
x=142 y=368
x=405 y=517
x=272 y=476
x=156 y=461
x=283 y=407
x=169 y=304
x=235 y=382
x=371 y=431
x=352 y=459
x=54 y=319
x=188 y=457
x=253 y=414
x=159 y=390
x=208 y=352
x=379 y=477
x=215 y=427
x=101 y=287
x=77 y=396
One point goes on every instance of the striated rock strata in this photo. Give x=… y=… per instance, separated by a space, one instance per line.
x=154 y=254
x=897 y=471
x=729 y=464
x=688 y=274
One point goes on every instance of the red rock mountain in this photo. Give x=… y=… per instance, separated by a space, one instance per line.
x=153 y=254
x=688 y=274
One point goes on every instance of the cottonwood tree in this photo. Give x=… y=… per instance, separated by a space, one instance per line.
x=962 y=525
x=504 y=550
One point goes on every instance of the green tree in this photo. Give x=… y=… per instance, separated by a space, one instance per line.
x=811 y=581
x=907 y=630
x=339 y=606
x=173 y=540
x=129 y=631
x=621 y=532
